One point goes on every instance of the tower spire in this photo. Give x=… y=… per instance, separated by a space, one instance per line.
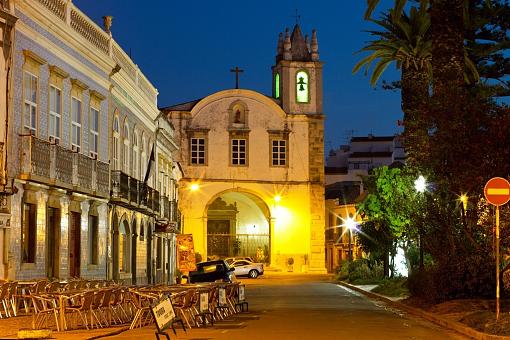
x=314 y=46
x=279 y=48
x=287 y=54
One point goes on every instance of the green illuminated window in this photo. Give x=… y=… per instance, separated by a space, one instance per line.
x=302 y=91
x=277 y=85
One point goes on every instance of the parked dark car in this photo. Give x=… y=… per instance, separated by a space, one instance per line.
x=211 y=271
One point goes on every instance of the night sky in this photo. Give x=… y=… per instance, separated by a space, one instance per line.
x=186 y=49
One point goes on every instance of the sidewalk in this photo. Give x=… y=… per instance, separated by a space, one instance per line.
x=9 y=328
x=437 y=319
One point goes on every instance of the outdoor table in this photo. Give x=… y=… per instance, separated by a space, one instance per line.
x=62 y=297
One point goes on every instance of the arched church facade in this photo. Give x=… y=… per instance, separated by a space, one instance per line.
x=253 y=165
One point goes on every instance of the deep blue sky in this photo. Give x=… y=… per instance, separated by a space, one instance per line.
x=186 y=49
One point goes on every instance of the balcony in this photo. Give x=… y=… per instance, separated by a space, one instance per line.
x=156 y=202
x=134 y=194
x=52 y=164
x=173 y=211
x=165 y=208
x=120 y=187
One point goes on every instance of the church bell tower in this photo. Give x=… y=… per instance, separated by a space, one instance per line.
x=297 y=75
x=297 y=87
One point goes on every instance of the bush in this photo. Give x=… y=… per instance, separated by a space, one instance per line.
x=342 y=272
x=360 y=271
x=396 y=286
x=421 y=284
x=471 y=276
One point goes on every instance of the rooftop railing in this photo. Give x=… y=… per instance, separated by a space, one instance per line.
x=83 y=25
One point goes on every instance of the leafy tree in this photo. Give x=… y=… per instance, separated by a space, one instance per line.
x=487 y=39
x=378 y=242
x=391 y=204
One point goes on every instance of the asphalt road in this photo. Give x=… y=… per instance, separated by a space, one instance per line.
x=284 y=306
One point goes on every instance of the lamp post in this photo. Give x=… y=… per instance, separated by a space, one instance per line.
x=420 y=185
x=350 y=223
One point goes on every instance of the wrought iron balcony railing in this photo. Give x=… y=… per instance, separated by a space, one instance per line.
x=52 y=164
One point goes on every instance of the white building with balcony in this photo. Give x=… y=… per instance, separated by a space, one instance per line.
x=83 y=127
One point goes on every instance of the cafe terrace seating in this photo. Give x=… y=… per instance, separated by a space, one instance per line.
x=77 y=303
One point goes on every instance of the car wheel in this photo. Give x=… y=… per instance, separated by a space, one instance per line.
x=253 y=274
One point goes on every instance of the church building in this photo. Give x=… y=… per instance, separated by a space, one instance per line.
x=253 y=165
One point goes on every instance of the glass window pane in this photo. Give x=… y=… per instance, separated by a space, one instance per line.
x=34 y=89
x=302 y=87
x=58 y=98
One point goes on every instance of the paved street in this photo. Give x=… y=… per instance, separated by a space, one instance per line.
x=310 y=307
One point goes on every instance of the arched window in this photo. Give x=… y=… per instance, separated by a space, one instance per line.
x=152 y=170
x=277 y=85
x=124 y=247
x=136 y=157
x=142 y=231
x=115 y=146
x=302 y=87
x=143 y=158
x=126 y=148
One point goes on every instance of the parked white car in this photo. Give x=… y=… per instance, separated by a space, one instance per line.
x=246 y=268
x=232 y=259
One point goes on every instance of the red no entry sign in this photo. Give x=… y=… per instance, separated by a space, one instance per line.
x=497 y=191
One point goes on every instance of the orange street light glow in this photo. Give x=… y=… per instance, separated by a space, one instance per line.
x=194 y=187
x=277 y=198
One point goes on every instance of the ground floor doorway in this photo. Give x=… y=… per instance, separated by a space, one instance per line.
x=53 y=243
x=238 y=226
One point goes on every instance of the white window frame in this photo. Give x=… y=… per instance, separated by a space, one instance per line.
x=239 y=157
x=94 y=134
x=277 y=155
x=127 y=149
x=29 y=103
x=136 y=156
x=200 y=157
x=115 y=143
x=55 y=115
x=143 y=157
x=76 y=126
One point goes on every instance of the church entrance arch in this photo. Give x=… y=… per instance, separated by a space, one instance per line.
x=238 y=225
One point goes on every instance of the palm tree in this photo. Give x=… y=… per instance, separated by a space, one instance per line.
x=410 y=41
x=405 y=40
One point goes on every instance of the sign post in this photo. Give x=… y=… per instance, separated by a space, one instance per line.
x=164 y=316
x=497 y=192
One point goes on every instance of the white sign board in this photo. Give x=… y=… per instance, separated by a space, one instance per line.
x=222 y=297
x=204 y=302
x=163 y=313
x=241 y=293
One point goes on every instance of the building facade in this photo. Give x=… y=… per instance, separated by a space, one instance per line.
x=7 y=24
x=253 y=165
x=82 y=131
x=344 y=170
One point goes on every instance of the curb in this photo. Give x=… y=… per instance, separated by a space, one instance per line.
x=453 y=325
x=112 y=333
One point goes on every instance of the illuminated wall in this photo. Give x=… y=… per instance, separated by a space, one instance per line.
x=295 y=224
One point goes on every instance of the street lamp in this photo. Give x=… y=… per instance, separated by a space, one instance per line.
x=350 y=223
x=420 y=185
